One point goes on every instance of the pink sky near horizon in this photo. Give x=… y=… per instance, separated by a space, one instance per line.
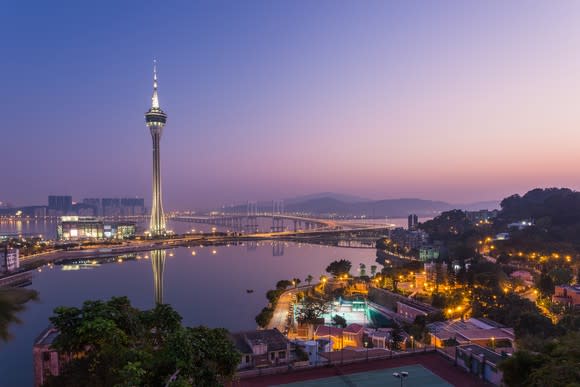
x=450 y=101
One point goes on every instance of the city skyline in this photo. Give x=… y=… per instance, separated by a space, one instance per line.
x=280 y=100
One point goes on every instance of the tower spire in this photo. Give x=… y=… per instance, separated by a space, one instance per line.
x=155 y=97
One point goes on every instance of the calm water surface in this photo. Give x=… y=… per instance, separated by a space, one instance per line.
x=207 y=288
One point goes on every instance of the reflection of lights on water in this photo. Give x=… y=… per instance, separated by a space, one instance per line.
x=120 y=260
x=193 y=253
x=214 y=252
x=146 y=257
x=171 y=254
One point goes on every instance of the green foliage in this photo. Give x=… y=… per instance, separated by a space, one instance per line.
x=397 y=338
x=311 y=309
x=264 y=317
x=339 y=321
x=283 y=284
x=114 y=344
x=12 y=302
x=557 y=215
x=555 y=364
x=338 y=268
x=308 y=279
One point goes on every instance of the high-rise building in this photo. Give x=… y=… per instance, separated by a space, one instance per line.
x=155 y=118
x=59 y=205
x=413 y=222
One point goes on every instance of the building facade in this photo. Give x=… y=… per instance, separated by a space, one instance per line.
x=78 y=228
x=9 y=260
x=261 y=349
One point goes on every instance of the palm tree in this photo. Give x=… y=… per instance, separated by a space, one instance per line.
x=373 y=270
x=309 y=279
x=12 y=301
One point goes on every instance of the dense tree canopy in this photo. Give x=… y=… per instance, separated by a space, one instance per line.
x=338 y=268
x=12 y=302
x=114 y=344
x=556 y=364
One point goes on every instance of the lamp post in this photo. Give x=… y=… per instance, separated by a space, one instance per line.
x=401 y=376
x=412 y=343
x=367 y=347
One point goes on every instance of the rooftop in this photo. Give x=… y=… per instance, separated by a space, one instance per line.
x=275 y=340
x=490 y=355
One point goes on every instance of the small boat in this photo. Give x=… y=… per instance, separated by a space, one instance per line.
x=249 y=290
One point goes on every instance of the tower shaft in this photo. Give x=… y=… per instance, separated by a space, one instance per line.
x=157 y=223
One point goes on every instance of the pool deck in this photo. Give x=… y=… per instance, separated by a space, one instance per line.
x=433 y=362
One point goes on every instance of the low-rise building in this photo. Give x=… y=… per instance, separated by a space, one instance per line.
x=524 y=276
x=353 y=335
x=381 y=337
x=410 y=311
x=47 y=360
x=74 y=228
x=479 y=331
x=9 y=260
x=567 y=295
x=428 y=253
x=480 y=361
x=259 y=349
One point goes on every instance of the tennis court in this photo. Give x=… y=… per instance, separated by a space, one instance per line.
x=419 y=376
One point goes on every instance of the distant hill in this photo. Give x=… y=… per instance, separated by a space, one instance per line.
x=335 y=204
x=394 y=208
x=327 y=195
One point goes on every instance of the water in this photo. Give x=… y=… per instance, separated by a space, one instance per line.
x=207 y=288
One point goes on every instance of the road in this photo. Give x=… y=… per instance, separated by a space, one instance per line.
x=280 y=318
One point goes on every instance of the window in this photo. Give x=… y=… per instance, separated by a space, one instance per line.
x=272 y=355
x=282 y=354
x=247 y=358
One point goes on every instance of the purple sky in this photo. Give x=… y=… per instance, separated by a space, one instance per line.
x=457 y=101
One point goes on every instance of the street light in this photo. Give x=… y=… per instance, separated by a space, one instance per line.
x=367 y=347
x=401 y=376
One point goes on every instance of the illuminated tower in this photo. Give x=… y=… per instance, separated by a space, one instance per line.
x=158 y=263
x=155 y=119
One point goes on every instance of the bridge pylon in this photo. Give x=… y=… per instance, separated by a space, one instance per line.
x=277 y=219
x=251 y=225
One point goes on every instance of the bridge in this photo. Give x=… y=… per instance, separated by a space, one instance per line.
x=249 y=222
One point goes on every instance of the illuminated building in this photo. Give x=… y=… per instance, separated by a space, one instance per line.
x=155 y=119
x=413 y=222
x=9 y=259
x=73 y=228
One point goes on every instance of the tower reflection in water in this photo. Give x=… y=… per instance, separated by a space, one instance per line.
x=158 y=263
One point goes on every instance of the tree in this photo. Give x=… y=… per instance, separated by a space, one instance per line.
x=556 y=364
x=263 y=318
x=363 y=270
x=311 y=309
x=283 y=284
x=339 y=321
x=308 y=279
x=373 y=270
x=12 y=302
x=114 y=344
x=545 y=284
x=296 y=282
x=396 y=338
x=338 y=268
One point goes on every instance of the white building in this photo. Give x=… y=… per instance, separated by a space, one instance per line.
x=9 y=260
